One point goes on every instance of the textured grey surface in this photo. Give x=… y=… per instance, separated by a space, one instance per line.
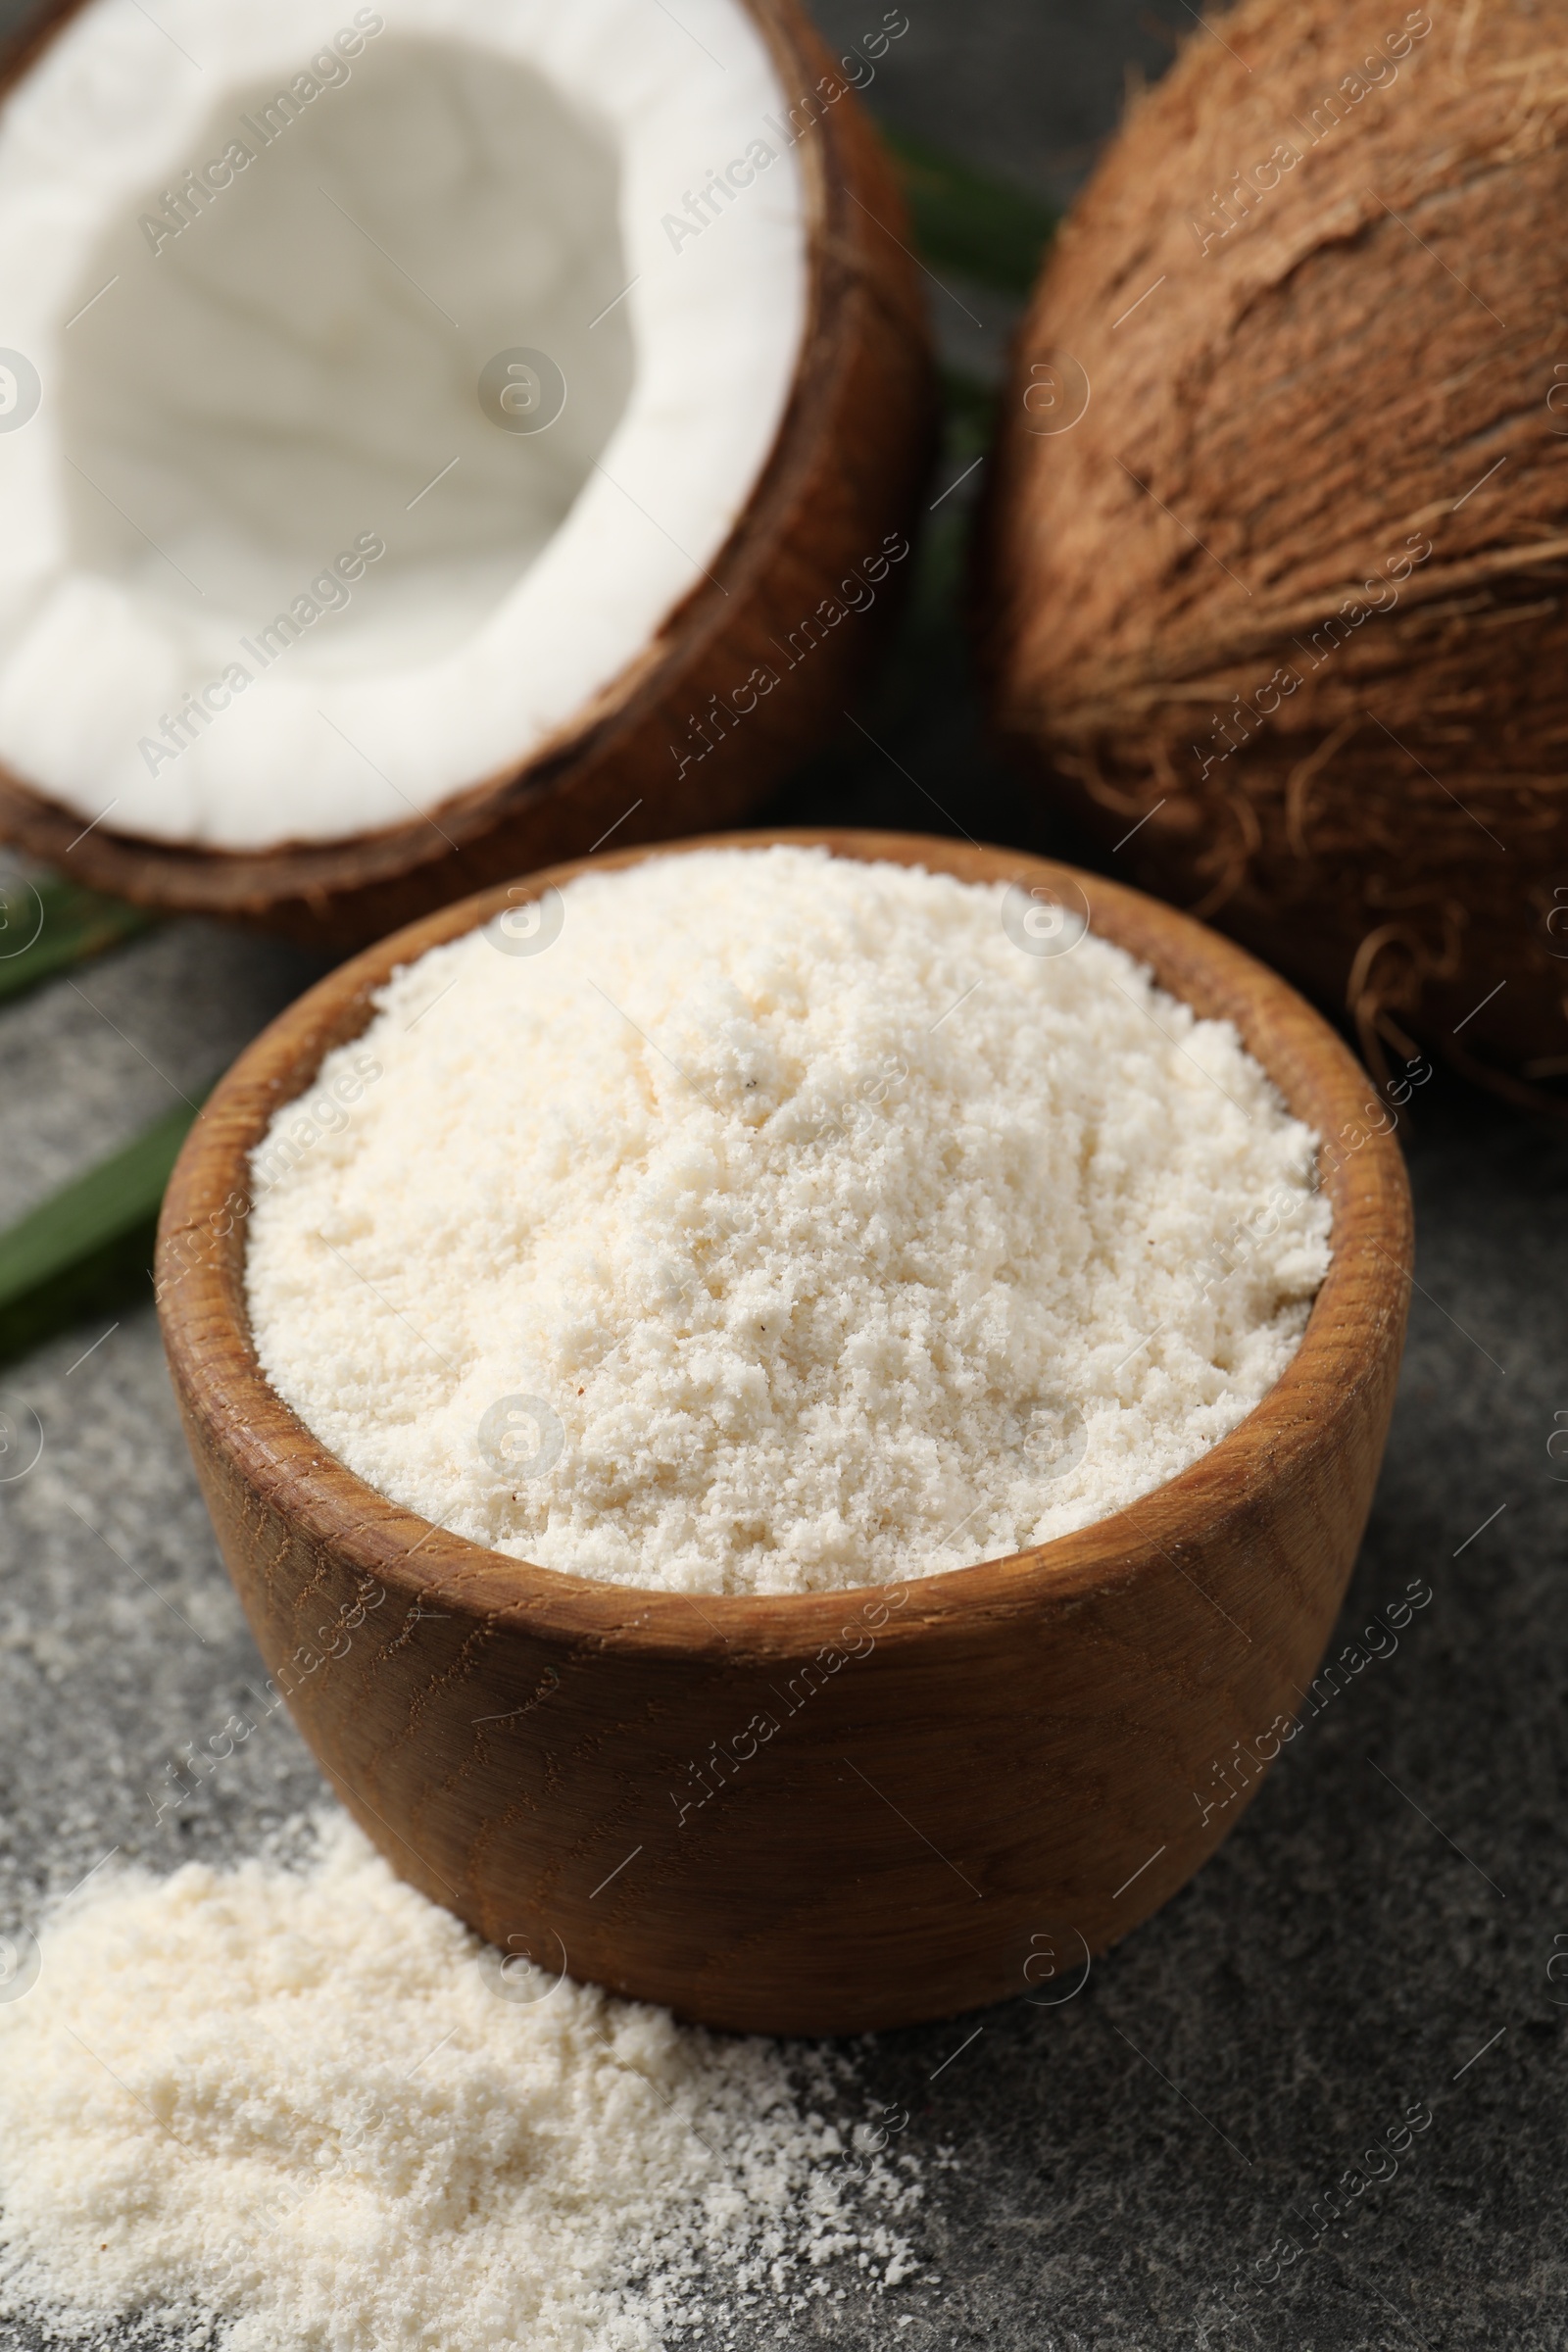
x=1120 y=2163
x=1024 y=88
x=131 y=1035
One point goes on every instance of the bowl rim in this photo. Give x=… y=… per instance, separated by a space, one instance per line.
x=228 y=1401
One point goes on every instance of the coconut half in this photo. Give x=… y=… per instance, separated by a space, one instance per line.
x=427 y=438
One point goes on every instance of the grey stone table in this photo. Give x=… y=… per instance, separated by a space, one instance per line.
x=1111 y=2172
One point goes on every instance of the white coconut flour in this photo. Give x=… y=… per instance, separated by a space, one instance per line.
x=301 y=2111
x=766 y=1221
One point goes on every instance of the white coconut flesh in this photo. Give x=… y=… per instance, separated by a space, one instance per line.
x=233 y=416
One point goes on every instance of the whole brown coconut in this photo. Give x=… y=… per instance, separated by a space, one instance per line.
x=1277 y=550
x=842 y=485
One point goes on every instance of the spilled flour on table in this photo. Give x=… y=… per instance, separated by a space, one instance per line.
x=302 y=2109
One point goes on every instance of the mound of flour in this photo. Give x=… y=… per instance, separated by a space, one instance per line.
x=305 y=2111
x=764 y=1221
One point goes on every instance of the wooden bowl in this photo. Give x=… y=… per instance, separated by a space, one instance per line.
x=843 y=476
x=975 y=1778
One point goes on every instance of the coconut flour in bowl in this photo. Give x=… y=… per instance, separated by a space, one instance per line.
x=766 y=1221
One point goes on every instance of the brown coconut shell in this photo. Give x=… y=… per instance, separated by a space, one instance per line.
x=1230 y=434
x=852 y=455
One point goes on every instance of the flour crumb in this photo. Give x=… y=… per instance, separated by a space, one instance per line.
x=762 y=1221
x=300 y=2109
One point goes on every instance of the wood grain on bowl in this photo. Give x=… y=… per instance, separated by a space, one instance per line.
x=972 y=1780
x=841 y=486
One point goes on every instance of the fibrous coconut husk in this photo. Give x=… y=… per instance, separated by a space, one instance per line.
x=1277 y=543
